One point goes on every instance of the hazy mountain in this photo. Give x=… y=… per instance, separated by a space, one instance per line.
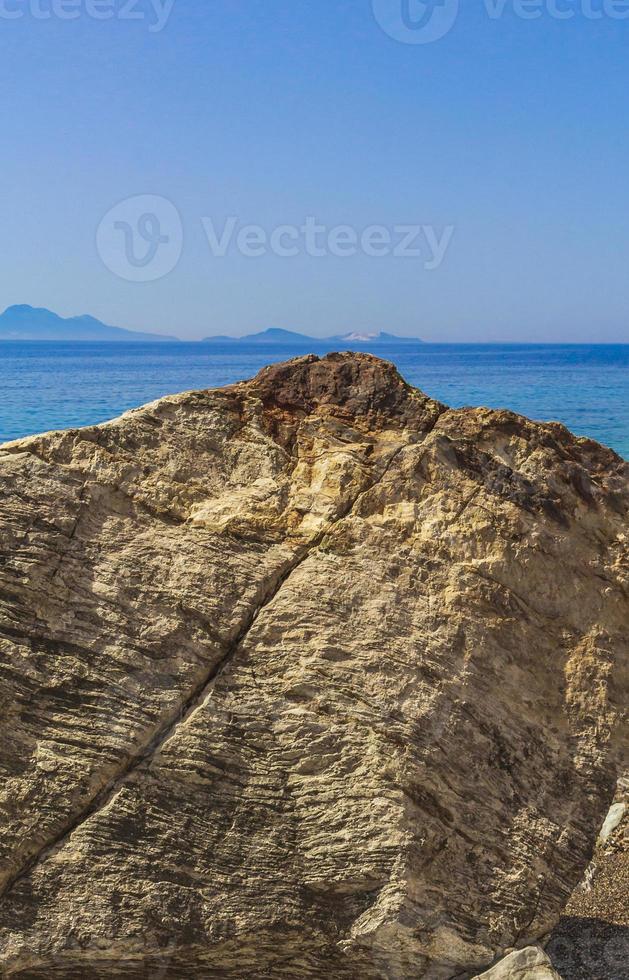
x=375 y=338
x=276 y=335
x=27 y=323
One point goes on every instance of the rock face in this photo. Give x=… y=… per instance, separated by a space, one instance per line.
x=306 y=677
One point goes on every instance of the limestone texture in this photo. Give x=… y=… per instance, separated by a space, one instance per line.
x=307 y=677
x=524 y=964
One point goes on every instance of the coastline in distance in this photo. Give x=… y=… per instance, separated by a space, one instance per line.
x=275 y=335
x=28 y=323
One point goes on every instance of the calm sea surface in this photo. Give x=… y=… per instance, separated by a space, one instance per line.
x=59 y=385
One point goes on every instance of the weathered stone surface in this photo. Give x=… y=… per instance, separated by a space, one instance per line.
x=307 y=677
x=525 y=964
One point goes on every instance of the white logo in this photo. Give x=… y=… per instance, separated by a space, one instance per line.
x=416 y=21
x=141 y=239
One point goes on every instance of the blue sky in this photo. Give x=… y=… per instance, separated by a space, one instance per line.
x=510 y=132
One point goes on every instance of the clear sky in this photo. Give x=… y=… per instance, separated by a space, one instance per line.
x=506 y=142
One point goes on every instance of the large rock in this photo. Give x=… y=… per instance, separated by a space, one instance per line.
x=306 y=677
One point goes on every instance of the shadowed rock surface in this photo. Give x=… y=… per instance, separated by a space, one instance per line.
x=592 y=938
x=305 y=677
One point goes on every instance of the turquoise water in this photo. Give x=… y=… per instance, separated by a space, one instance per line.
x=59 y=385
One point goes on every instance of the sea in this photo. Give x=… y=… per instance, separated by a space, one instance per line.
x=50 y=385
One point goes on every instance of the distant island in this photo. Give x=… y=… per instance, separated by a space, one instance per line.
x=28 y=323
x=275 y=335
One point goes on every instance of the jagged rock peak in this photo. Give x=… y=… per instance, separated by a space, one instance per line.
x=360 y=389
x=358 y=384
